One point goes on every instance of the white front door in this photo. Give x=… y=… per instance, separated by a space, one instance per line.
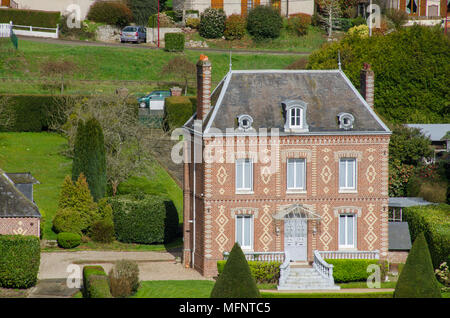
x=295 y=238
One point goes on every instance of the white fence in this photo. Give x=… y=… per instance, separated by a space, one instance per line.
x=27 y=30
x=5 y=30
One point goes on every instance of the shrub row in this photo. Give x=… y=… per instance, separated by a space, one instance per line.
x=434 y=222
x=99 y=287
x=178 y=110
x=45 y=19
x=144 y=219
x=174 y=42
x=34 y=112
x=19 y=261
x=88 y=271
x=68 y=240
x=350 y=270
x=263 y=272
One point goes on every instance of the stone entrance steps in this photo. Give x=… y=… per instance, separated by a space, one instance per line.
x=304 y=277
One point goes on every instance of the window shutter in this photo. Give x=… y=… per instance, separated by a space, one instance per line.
x=423 y=8
x=244 y=7
x=402 y=5
x=217 y=4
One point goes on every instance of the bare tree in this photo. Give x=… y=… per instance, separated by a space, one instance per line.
x=7 y=115
x=58 y=70
x=180 y=67
x=331 y=11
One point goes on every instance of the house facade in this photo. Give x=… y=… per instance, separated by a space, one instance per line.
x=293 y=167
x=286 y=7
x=414 y=8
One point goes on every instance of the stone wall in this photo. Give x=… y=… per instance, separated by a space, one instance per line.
x=107 y=33
x=152 y=34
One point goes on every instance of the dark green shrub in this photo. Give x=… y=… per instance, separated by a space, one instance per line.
x=235 y=27
x=89 y=157
x=350 y=270
x=124 y=278
x=177 y=111
x=434 y=222
x=99 y=287
x=174 y=42
x=110 y=12
x=399 y=96
x=358 y=21
x=212 y=23
x=143 y=9
x=236 y=280
x=68 y=220
x=45 y=19
x=344 y=24
x=19 y=261
x=35 y=112
x=68 y=240
x=102 y=231
x=262 y=272
x=148 y=219
x=89 y=271
x=176 y=16
x=264 y=22
x=417 y=279
x=299 y=23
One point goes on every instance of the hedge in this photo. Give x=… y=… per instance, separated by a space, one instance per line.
x=89 y=271
x=174 y=42
x=434 y=222
x=99 y=287
x=178 y=110
x=36 y=18
x=32 y=112
x=68 y=240
x=19 y=261
x=263 y=272
x=144 y=219
x=350 y=270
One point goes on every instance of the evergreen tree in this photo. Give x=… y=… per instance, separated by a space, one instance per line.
x=417 y=278
x=236 y=280
x=89 y=157
x=68 y=190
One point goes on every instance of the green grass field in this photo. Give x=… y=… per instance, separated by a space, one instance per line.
x=106 y=65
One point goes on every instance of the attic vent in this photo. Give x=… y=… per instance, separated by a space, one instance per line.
x=245 y=122
x=346 y=121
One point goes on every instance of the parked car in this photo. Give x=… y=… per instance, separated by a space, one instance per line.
x=154 y=100
x=137 y=34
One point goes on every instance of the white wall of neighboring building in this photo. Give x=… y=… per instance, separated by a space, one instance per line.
x=56 y=5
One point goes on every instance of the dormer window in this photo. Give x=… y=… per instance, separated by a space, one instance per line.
x=346 y=121
x=245 y=122
x=295 y=113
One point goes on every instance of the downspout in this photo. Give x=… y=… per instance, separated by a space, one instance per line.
x=193 y=207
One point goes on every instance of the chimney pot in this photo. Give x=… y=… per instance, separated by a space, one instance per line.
x=367 y=84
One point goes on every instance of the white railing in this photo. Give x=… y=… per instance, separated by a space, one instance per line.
x=5 y=30
x=261 y=256
x=284 y=269
x=325 y=269
x=350 y=254
x=28 y=30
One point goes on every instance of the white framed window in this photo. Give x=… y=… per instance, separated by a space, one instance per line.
x=295 y=117
x=347 y=174
x=244 y=231
x=244 y=175
x=296 y=174
x=347 y=231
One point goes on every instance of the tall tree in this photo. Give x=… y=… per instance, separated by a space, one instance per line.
x=89 y=157
x=330 y=12
x=143 y=9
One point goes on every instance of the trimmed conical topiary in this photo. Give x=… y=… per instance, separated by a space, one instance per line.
x=236 y=280
x=417 y=279
x=89 y=157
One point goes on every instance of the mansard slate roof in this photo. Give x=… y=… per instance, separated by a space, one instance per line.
x=260 y=93
x=12 y=202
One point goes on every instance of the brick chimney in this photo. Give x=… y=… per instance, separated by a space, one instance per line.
x=203 y=87
x=367 y=83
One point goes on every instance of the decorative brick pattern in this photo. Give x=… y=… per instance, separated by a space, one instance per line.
x=20 y=226
x=266 y=220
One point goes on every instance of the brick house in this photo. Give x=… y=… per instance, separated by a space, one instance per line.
x=18 y=212
x=292 y=165
x=414 y=8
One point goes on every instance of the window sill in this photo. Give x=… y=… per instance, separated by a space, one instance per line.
x=291 y=191
x=244 y=192
x=347 y=249
x=347 y=191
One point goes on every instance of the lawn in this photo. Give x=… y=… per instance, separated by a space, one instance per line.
x=103 y=69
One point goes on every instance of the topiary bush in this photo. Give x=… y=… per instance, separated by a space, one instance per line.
x=102 y=231
x=177 y=111
x=68 y=240
x=99 y=287
x=264 y=22
x=144 y=219
x=417 y=279
x=110 y=12
x=124 y=278
x=350 y=270
x=174 y=42
x=19 y=261
x=236 y=280
x=262 y=272
x=235 y=27
x=212 y=23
